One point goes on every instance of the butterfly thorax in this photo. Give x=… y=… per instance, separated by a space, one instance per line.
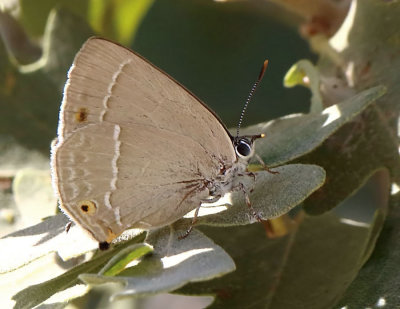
x=229 y=179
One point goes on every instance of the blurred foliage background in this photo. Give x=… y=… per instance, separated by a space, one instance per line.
x=216 y=48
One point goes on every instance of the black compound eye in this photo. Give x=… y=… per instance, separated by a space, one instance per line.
x=243 y=148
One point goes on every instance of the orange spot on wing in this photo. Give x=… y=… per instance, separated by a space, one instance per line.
x=111 y=235
x=81 y=115
x=87 y=207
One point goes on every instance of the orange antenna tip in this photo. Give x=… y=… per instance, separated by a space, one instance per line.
x=264 y=67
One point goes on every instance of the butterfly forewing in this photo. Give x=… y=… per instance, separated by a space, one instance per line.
x=134 y=146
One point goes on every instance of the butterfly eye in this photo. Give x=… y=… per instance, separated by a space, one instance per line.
x=243 y=148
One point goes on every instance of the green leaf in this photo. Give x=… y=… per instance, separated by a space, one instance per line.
x=123 y=258
x=293 y=136
x=173 y=263
x=306 y=74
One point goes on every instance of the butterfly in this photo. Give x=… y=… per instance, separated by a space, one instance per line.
x=136 y=149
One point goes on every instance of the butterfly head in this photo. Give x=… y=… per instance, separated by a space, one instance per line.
x=244 y=146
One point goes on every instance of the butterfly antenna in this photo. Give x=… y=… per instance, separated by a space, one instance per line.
x=253 y=89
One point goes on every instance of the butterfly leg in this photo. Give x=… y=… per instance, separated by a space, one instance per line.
x=194 y=220
x=68 y=226
x=265 y=167
x=252 y=175
x=248 y=203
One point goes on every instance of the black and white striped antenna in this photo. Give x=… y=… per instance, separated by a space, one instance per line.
x=253 y=89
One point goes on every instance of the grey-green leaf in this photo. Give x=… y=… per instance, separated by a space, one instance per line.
x=292 y=136
x=273 y=195
x=173 y=264
x=378 y=285
x=31 y=243
x=38 y=293
x=309 y=268
x=31 y=94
